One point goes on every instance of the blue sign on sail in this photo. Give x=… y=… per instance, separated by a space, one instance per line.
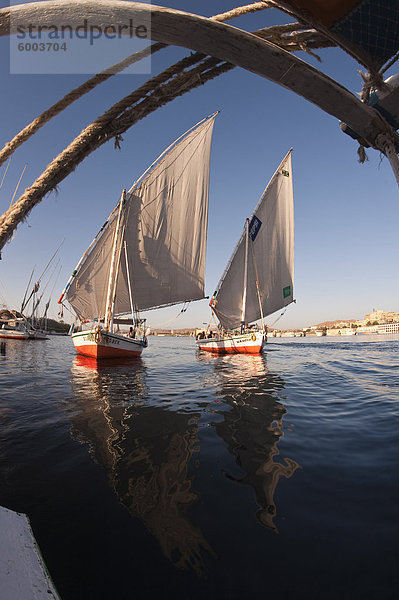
x=254 y=227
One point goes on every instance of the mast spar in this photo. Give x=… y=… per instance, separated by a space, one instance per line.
x=245 y=284
x=109 y=309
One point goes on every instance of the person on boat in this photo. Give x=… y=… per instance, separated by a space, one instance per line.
x=132 y=333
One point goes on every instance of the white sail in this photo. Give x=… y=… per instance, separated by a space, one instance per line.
x=164 y=219
x=270 y=257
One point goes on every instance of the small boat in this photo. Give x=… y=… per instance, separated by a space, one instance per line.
x=13 y=332
x=14 y=325
x=149 y=254
x=37 y=334
x=258 y=279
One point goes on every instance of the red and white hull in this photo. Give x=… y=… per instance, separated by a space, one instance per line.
x=246 y=343
x=103 y=344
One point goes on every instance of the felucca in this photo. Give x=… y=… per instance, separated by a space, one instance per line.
x=258 y=279
x=149 y=254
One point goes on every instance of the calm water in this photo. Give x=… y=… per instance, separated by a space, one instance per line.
x=188 y=476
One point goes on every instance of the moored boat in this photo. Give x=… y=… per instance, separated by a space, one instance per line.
x=13 y=333
x=15 y=326
x=258 y=279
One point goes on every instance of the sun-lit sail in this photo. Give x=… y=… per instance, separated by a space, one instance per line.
x=163 y=240
x=270 y=258
x=150 y=252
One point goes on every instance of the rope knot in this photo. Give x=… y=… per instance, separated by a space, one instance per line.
x=361 y=152
x=118 y=140
x=371 y=82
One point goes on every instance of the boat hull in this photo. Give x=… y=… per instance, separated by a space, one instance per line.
x=103 y=344
x=11 y=334
x=37 y=335
x=247 y=343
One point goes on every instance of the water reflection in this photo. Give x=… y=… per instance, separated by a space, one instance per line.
x=147 y=448
x=146 y=451
x=253 y=426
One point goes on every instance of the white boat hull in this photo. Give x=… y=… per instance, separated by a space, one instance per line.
x=13 y=334
x=247 y=343
x=103 y=344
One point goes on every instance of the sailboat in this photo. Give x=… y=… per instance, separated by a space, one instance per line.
x=258 y=279
x=13 y=325
x=149 y=254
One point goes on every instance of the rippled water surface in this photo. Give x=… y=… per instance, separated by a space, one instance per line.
x=187 y=476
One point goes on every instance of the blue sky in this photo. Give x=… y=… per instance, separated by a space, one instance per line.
x=346 y=214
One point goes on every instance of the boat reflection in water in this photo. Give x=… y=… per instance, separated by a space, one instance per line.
x=150 y=449
x=253 y=426
x=145 y=450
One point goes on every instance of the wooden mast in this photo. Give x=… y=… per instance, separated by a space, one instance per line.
x=113 y=268
x=244 y=294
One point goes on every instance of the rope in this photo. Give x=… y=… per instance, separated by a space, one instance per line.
x=279 y=317
x=371 y=81
x=294 y=37
x=242 y=10
x=104 y=128
x=117 y=120
x=91 y=83
x=5 y=173
x=73 y=95
x=361 y=152
x=183 y=310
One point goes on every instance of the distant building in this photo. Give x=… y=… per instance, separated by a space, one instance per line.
x=382 y=317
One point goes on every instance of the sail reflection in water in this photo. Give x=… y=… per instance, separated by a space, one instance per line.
x=150 y=449
x=144 y=449
x=253 y=426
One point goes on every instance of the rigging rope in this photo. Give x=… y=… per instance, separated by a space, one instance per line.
x=103 y=76
x=5 y=173
x=279 y=317
x=118 y=119
x=183 y=310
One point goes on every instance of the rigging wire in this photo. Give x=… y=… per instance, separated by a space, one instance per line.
x=279 y=317
x=36 y=286
x=17 y=186
x=3 y=295
x=183 y=310
x=5 y=172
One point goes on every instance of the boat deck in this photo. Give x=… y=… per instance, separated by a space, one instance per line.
x=23 y=574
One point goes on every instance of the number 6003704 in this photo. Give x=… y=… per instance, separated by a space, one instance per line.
x=41 y=47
